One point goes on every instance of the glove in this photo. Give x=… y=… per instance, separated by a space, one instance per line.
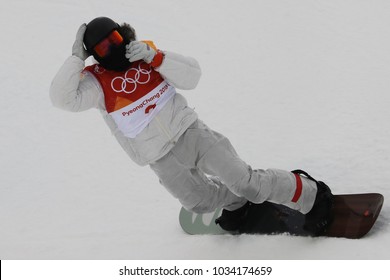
x=137 y=50
x=78 y=47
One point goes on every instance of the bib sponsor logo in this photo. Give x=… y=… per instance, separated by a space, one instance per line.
x=149 y=108
x=154 y=96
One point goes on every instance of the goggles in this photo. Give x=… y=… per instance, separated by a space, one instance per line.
x=102 y=49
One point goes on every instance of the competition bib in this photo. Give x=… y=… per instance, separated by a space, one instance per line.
x=133 y=97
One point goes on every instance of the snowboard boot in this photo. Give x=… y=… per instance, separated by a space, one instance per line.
x=233 y=220
x=320 y=216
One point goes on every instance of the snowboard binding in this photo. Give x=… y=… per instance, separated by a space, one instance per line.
x=271 y=217
x=320 y=216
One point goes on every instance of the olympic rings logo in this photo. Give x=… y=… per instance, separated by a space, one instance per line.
x=132 y=78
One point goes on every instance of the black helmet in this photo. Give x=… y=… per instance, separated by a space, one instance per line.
x=100 y=31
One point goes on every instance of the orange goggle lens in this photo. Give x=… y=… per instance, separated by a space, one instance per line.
x=102 y=49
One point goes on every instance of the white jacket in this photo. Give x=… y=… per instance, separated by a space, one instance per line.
x=75 y=90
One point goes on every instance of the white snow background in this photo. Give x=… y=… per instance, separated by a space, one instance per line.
x=294 y=84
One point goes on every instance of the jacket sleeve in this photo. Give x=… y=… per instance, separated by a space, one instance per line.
x=72 y=89
x=180 y=71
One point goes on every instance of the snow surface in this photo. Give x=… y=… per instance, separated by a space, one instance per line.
x=294 y=84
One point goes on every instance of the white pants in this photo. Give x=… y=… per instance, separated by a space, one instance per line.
x=204 y=172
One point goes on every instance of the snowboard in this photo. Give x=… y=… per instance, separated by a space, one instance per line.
x=353 y=217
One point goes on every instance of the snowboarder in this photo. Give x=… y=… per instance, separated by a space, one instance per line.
x=133 y=85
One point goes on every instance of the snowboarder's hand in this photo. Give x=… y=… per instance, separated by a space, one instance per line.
x=78 y=47
x=137 y=50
